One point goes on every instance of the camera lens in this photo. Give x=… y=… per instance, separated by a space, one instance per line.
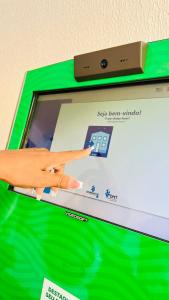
x=104 y=63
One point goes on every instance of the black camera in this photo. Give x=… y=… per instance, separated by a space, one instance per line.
x=104 y=63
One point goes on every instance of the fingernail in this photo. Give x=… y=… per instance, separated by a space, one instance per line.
x=80 y=184
x=92 y=147
x=53 y=194
x=38 y=197
x=76 y=184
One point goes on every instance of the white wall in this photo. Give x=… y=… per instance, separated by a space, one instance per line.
x=34 y=33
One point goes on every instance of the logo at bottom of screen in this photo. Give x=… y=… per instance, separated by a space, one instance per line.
x=54 y=292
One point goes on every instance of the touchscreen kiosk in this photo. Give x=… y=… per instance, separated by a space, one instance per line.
x=108 y=240
x=126 y=176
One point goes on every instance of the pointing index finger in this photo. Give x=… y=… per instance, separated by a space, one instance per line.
x=67 y=156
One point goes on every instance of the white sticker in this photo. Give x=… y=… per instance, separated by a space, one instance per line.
x=54 y=292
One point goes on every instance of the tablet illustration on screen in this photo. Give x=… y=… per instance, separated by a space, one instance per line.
x=99 y=137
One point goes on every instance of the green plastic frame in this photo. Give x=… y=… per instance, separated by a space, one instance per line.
x=91 y=260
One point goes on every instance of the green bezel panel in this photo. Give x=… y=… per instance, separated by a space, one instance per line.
x=91 y=260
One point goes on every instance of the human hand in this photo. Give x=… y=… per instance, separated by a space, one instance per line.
x=31 y=168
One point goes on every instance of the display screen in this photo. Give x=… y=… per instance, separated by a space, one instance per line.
x=126 y=176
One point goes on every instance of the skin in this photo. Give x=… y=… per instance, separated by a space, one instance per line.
x=31 y=168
